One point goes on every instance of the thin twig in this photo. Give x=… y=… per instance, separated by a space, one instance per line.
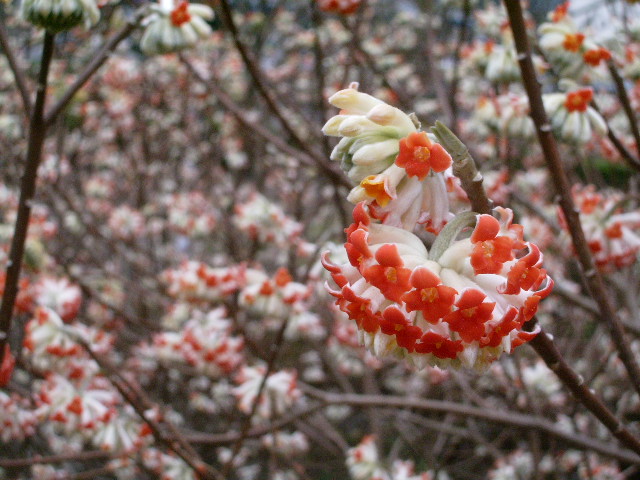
x=255 y=73
x=542 y=343
x=626 y=103
x=15 y=69
x=169 y=435
x=512 y=419
x=48 y=460
x=275 y=349
x=98 y=59
x=338 y=177
x=563 y=188
x=259 y=431
x=37 y=133
x=624 y=152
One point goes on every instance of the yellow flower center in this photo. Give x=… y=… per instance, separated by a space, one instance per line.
x=429 y=294
x=421 y=154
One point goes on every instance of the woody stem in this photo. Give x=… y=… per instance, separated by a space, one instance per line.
x=37 y=133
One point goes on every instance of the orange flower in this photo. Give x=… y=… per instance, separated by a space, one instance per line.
x=579 y=100
x=490 y=251
x=180 y=14
x=573 y=41
x=376 y=186
x=394 y=322
x=419 y=155
x=432 y=298
x=6 y=369
x=389 y=275
x=594 y=56
x=438 y=345
x=472 y=313
x=560 y=12
x=339 y=6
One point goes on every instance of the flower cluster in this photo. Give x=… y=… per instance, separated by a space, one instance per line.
x=613 y=234
x=173 y=26
x=400 y=171
x=60 y=15
x=272 y=297
x=280 y=391
x=59 y=295
x=463 y=303
x=266 y=222
x=196 y=282
x=569 y=50
x=203 y=342
x=572 y=119
x=18 y=420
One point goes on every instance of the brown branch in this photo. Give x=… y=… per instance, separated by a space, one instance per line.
x=626 y=103
x=563 y=189
x=274 y=350
x=37 y=133
x=254 y=71
x=542 y=343
x=232 y=437
x=624 y=152
x=163 y=431
x=15 y=69
x=544 y=346
x=465 y=169
x=508 y=418
x=98 y=59
x=337 y=176
x=64 y=457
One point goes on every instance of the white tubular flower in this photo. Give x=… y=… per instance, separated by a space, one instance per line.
x=461 y=304
x=167 y=466
x=77 y=407
x=266 y=222
x=122 y=432
x=286 y=444
x=398 y=169
x=272 y=298
x=572 y=119
x=196 y=282
x=279 y=394
x=502 y=66
x=173 y=27
x=59 y=295
x=613 y=235
x=205 y=343
x=47 y=335
x=514 y=116
x=17 y=420
x=567 y=49
x=362 y=460
x=59 y=15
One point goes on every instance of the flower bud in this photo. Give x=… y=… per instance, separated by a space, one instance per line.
x=59 y=15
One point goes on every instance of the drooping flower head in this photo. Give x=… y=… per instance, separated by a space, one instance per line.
x=613 y=235
x=569 y=51
x=399 y=171
x=462 y=303
x=60 y=15
x=174 y=26
x=572 y=119
x=280 y=391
